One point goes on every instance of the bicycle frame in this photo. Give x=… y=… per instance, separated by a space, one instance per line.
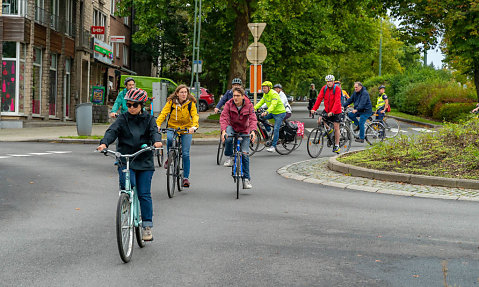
x=238 y=156
x=133 y=196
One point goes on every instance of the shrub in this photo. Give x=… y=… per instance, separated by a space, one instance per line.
x=452 y=112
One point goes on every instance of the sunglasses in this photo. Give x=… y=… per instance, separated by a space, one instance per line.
x=135 y=105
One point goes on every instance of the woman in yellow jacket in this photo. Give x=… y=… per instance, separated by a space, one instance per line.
x=180 y=112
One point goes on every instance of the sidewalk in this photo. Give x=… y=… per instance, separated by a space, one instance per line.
x=53 y=131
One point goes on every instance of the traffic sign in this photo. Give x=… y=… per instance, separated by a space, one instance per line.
x=256 y=29
x=256 y=53
x=197 y=66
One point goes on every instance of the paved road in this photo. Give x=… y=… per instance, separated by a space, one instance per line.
x=57 y=216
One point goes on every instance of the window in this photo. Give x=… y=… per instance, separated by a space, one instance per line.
x=40 y=11
x=125 y=55
x=8 y=77
x=14 y=7
x=69 y=18
x=112 y=7
x=37 y=77
x=67 y=88
x=52 y=99
x=99 y=19
x=125 y=20
x=117 y=50
x=54 y=19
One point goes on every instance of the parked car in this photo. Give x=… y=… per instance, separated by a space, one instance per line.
x=206 y=100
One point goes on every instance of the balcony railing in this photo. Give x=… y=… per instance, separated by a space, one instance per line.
x=57 y=23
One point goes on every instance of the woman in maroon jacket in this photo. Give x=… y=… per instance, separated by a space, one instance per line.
x=238 y=117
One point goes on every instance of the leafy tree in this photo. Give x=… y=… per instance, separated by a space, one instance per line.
x=458 y=20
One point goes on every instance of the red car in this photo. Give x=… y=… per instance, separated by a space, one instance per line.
x=206 y=101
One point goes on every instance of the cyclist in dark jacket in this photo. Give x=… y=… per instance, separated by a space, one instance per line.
x=133 y=129
x=362 y=108
x=235 y=83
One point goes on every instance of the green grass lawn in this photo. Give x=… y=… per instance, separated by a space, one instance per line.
x=396 y=113
x=452 y=151
x=94 y=137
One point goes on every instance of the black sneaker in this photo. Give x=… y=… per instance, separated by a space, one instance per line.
x=336 y=149
x=359 y=140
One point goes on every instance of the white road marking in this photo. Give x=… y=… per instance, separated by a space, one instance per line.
x=19 y=155
x=59 y=152
x=4 y=156
x=422 y=130
x=40 y=153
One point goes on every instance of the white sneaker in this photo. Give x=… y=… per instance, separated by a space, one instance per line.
x=147 y=235
x=270 y=149
x=247 y=184
x=229 y=162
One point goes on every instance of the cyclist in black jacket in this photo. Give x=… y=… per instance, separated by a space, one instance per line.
x=134 y=129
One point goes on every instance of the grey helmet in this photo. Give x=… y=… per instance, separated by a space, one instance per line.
x=128 y=79
x=237 y=81
x=278 y=86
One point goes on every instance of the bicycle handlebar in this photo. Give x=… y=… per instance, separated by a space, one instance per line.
x=119 y=155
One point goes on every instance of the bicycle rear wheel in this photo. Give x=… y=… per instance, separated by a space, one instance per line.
x=179 y=173
x=220 y=152
x=254 y=145
x=346 y=138
x=392 y=126
x=170 y=174
x=299 y=140
x=375 y=133
x=124 y=227
x=315 y=143
x=285 y=147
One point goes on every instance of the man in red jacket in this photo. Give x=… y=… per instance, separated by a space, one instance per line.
x=238 y=117
x=332 y=107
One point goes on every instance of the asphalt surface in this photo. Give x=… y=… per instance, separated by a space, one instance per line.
x=57 y=212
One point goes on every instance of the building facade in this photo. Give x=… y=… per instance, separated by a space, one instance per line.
x=51 y=61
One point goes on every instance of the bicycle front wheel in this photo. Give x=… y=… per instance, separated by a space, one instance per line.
x=170 y=174
x=179 y=173
x=124 y=227
x=392 y=126
x=138 y=229
x=238 y=175
x=220 y=152
x=375 y=133
x=315 y=142
x=159 y=157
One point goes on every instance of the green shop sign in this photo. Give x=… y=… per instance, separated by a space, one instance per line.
x=102 y=50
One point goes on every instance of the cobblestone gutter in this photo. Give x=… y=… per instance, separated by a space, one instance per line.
x=316 y=171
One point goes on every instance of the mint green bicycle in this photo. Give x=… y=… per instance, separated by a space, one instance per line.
x=128 y=211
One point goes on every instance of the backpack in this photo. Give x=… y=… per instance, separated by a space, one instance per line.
x=300 y=125
x=343 y=98
x=288 y=131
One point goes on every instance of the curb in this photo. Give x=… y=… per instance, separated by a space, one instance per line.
x=335 y=165
x=415 y=122
x=283 y=171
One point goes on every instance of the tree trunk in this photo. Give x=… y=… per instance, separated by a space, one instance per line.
x=238 y=62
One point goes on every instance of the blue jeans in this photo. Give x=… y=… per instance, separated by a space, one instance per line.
x=362 y=119
x=185 y=149
x=142 y=180
x=380 y=115
x=278 y=119
x=244 y=146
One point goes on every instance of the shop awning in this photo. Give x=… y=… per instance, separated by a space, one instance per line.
x=128 y=71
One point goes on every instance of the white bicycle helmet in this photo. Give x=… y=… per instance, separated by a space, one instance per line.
x=329 y=78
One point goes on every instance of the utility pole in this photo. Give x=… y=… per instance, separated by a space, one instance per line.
x=380 y=47
x=195 y=68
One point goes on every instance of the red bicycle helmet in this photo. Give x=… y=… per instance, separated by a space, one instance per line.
x=136 y=95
